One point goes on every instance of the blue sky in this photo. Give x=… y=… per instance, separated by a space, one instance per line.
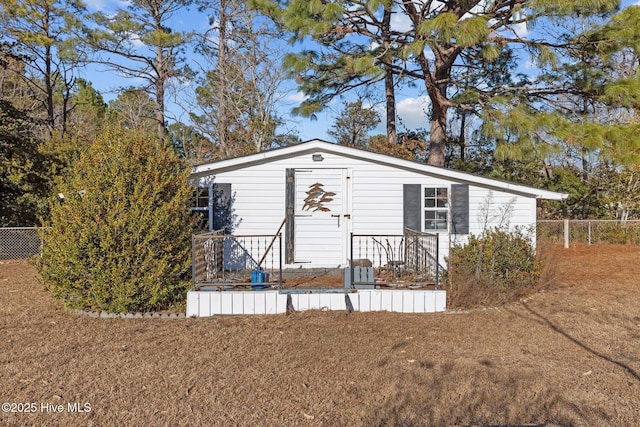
x=412 y=103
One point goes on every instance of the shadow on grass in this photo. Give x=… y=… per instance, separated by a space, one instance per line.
x=477 y=393
x=582 y=345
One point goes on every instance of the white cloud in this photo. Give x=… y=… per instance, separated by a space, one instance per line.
x=518 y=29
x=107 y=5
x=95 y=4
x=521 y=30
x=296 y=97
x=134 y=39
x=401 y=22
x=413 y=112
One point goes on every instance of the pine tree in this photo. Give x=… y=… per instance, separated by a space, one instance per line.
x=43 y=34
x=22 y=184
x=138 y=42
x=353 y=125
x=438 y=39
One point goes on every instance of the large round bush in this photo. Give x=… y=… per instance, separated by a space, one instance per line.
x=118 y=234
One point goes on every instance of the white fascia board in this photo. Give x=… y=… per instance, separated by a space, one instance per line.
x=263 y=156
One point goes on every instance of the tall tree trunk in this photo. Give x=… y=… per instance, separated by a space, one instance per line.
x=48 y=84
x=461 y=138
x=585 y=164
x=389 y=88
x=583 y=150
x=162 y=129
x=438 y=136
x=48 y=59
x=65 y=103
x=390 y=96
x=435 y=83
x=222 y=82
x=161 y=78
x=436 y=79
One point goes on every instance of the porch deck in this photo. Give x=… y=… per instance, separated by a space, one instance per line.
x=245 y=275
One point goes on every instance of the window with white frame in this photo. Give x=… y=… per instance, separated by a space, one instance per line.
x=200 y=207
x=436 y=208
x=200 y=198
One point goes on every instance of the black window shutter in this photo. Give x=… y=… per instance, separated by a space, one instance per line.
x=290 y=206
x=411 y=205
x=220 y=209
x=222 y=191
x=460 y=208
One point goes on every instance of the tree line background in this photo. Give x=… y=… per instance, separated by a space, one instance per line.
x=544 y=92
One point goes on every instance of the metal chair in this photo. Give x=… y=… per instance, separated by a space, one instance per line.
x=394 y=255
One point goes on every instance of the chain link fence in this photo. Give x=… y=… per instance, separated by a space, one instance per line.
x=24 y=242
x=589 y=231
x=19 y=242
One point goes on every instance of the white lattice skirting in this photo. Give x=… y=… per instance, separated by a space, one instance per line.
x=212 y=303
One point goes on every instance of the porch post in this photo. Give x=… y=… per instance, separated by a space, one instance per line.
x=437 y=261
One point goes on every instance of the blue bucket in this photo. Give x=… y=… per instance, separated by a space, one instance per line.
x=257 y=276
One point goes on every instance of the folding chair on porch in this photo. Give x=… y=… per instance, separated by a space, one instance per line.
x=394 y=255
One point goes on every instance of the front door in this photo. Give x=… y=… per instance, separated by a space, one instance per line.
x=321 y=217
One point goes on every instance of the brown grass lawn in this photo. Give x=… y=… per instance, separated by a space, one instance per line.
x=566 y=356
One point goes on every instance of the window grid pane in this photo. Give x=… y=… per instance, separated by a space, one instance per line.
x=203 y=197
x=436 y=204
x=200 y=198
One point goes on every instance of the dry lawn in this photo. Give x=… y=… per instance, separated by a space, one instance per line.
x=566 y=356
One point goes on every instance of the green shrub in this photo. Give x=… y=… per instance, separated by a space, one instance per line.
x=491 y=269
x=119 y=239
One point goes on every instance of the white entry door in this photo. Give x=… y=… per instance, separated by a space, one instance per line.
x=321 y=217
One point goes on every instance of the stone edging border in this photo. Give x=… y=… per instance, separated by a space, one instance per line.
x=136 y=315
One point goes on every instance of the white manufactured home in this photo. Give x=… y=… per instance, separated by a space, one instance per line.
x=318 y=195
x=327 y=191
